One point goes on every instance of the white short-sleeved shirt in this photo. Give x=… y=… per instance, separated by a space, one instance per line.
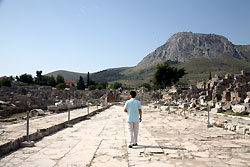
x=133 y=107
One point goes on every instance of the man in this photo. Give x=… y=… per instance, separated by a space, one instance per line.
x=134 y=115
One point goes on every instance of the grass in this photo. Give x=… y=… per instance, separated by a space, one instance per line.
x=230 y=112
x=17 y=116
x=222 y=126
x=198 y=69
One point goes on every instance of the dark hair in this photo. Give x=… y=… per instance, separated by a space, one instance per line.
x=133 y=94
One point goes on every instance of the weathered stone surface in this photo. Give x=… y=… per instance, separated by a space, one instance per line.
x=247 y=100
x=216 y=110
x=218 y=105
x=36 y=112
x=164 y=140
x=226 y=106
x=241 y=130
x=12 y=135
x=239 y=108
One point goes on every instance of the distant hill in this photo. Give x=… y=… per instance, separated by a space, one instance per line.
x=68 y=75
x=110 y=75
x=198 y=53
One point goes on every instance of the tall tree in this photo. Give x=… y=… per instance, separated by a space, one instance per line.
x=39 y=78
x=88 y=80
x=166 y=75
x=39 y=74
x=59 y=79
x=210 y=76
x=81 y=84
x=51 y=81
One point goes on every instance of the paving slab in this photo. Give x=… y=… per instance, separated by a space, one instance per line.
x=164 y=140
x=12 y=135
x=15 y=131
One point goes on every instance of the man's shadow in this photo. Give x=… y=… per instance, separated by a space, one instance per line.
x=161 y=147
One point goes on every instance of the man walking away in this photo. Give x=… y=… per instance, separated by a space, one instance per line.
x=134 y=115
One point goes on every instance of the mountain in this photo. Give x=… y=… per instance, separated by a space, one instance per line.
x=185 y=46
x=198 y=53
x=244 y=50
x=68 y=75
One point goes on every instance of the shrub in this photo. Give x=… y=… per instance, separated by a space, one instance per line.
x=92 y=87
x=146 y=85
x=5 y=82
x=61 y=86
x=26 y=78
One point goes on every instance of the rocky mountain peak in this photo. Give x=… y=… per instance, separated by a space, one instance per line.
x=184 y=46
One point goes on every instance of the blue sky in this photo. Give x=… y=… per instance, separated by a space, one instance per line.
x=93 y=35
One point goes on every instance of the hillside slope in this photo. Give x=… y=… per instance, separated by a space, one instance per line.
x=199 y=54
x=68 y=75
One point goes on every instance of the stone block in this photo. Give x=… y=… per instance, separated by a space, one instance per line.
x=216 y=110
x=247 y=100
x=241 y=130
x=239 y=109
x=248 y=94
x=247 y=132
x=226 y=106
x=203 y=108
x=233 y=127
x=211 y=103
x=202 y=101
x=36 y=112
x=218 y=105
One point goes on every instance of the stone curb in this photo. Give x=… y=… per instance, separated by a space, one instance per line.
x=15 y=143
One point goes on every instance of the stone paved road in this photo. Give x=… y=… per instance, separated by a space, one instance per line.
x=164 y=140
x=15 y=131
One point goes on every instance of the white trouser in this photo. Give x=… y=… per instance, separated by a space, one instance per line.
x=133 y=129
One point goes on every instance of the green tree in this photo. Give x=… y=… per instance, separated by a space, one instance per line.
x=81 y=84
x=51 y=81
x=26 y=78
x=116 y=85
x=61 y=86
x=88 y=80
x=5 y=82
x=110 y=86
x=102 y=85
x=17 y=78
x=39 y=78
x=166 y=75
x=92 y=87
x=39 y=74
x=146 y=85
x=59 y=79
